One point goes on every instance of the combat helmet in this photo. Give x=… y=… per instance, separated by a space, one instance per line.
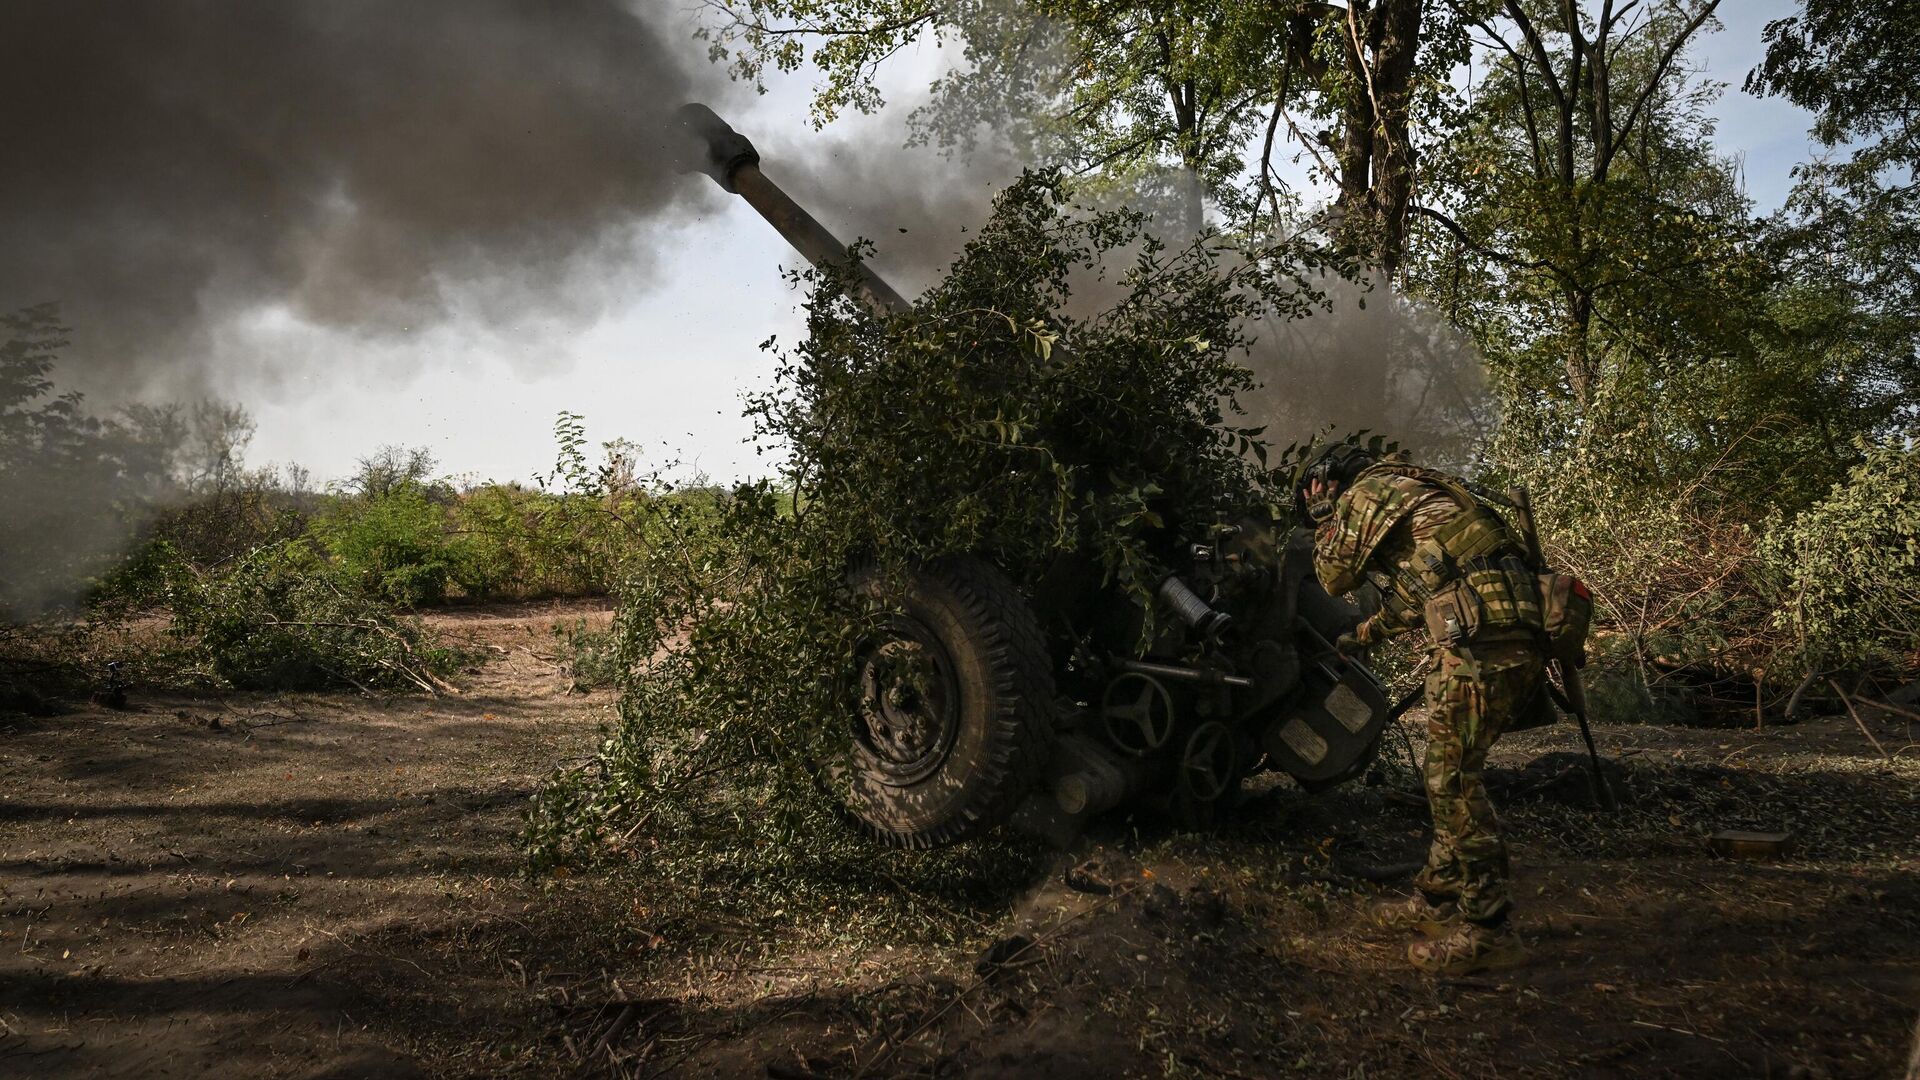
x=1335 y=466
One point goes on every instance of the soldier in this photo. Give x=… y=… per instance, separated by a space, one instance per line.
x=1443 y=561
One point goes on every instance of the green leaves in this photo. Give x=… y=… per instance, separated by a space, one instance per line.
x=964 y=426
x=1035 y=337
x=571 y=471
x=284 y=618
x=1849 y=568
x=979 y=422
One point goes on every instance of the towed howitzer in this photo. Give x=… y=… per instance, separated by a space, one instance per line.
x=1045 y=695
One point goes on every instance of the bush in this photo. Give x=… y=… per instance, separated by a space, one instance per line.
x=1682 y=615
x=1705 y=607
x=420 y=542
x=216 y=526
x=284 y=618
x=1848 y=568
x=1618 y=693
x=519 y=543
x=592 y=657
x=394 y=542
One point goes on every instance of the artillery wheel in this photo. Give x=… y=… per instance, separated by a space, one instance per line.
x=952 y=705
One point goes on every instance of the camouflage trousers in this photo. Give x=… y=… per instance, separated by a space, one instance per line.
x=1472 y=696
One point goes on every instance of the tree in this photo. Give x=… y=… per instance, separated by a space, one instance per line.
x=217 y=436
x=1853 y=220
x=392 y=469
x=1374 y=93
x=1576 y=172
x=1679 y=379
x=73 y=484
x=1855 y=67
x=1580 y=224
x=1178 y=102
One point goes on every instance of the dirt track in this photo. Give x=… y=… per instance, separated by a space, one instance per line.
x=327 y=885
x=218 y=885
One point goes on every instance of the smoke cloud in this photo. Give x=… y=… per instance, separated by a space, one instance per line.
x=363 y=164
x=918 y=206
x=1393 y=366
x=388 y=169
x=1369 y=359
x=371 y=168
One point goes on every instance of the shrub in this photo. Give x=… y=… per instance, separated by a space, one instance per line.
x=212 y=528
x=592 y=656
x=1683 y=620
x=284 y=618
x=1848 y=568
x=1704 y=612
x=394 y=542
x=521 y=543
x=1618 y=693
x=492 y=521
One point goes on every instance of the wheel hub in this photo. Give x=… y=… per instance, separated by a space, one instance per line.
x=909 y=705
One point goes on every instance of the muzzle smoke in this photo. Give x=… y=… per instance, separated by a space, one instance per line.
x=1394 y=367
x=360 y=163
x=370 y=167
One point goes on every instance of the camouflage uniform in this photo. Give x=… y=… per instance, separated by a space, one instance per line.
x=1443 y=560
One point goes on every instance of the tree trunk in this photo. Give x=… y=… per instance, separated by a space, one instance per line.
x=1580 y=367
x=1355 y=153
x=1194 y=201
x=1393 y=90
x=1375 y=154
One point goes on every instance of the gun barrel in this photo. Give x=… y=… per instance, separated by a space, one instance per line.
x=726 y=155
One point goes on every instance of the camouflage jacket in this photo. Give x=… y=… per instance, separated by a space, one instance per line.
x=1386 y=529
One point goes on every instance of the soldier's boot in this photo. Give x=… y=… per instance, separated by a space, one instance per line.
x=1470 y=947
x=1415 y=912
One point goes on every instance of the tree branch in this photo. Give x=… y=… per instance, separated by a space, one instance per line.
x=1539 y=47
x=800 y=29
x=1505 y=259
x=1660 y=70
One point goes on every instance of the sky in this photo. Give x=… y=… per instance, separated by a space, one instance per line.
x=666 y=363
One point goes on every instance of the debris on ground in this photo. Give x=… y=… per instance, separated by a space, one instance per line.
x=340 y=872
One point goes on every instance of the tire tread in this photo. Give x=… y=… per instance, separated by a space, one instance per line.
x=1020 y=673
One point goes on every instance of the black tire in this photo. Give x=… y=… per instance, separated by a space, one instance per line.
x=952 y=706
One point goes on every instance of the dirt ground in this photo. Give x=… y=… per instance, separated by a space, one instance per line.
x=329 y=885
